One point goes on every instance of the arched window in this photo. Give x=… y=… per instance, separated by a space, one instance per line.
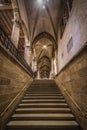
x=66 y=14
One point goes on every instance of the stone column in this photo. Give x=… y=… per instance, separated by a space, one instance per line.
x=55 y=68
x=15 y=34
x=55 y=64
x=34 y=64
x=35 y=61
x=52 y=69
x=57 y=60
x=16 y=26
x=38 y=74
x=27 y=52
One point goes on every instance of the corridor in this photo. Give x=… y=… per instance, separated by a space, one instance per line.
x=43 y=64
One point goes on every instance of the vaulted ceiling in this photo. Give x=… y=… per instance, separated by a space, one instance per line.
x=41 y=18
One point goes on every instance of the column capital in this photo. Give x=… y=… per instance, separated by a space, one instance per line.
x=17 y=22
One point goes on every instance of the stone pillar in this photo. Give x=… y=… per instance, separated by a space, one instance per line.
x=35 y=65
x=57 y=60
x=15 y=34
x=27 y=52
x=38 y=74
x=52 y=69
x=34 y=62
x=55 y=67
x=16 y=26
x=55 y=63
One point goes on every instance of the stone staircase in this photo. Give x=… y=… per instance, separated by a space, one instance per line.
x=43 y=107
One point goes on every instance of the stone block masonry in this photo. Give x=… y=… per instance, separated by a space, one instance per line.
x=13 y=80
x=72 y=80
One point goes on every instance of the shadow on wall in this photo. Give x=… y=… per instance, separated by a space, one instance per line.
x=72 y=81
x=13 y=82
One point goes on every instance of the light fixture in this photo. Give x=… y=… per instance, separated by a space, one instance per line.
x=45 y=47
x=43 y=6
x=40 y=1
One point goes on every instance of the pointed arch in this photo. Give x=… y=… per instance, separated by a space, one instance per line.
x=41 y=54
x=44 y=57
x=44 y=35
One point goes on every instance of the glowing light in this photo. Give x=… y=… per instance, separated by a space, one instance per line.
x=40 y=1
x=45 y=47
x=43 y=6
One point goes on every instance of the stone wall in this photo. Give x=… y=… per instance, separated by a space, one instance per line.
x=72 y=61
x=72 y=81
x=13 y=82
x=75 y=33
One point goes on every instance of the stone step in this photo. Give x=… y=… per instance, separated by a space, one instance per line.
x=27 y=94
x=42 y=116
x=42 y=91
x=43 y=88
x=50 y=86
x=42 y=110
x=43 y=105
x=45 y=85
x=45 y=125
x=43 y=97
x=43 y=101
